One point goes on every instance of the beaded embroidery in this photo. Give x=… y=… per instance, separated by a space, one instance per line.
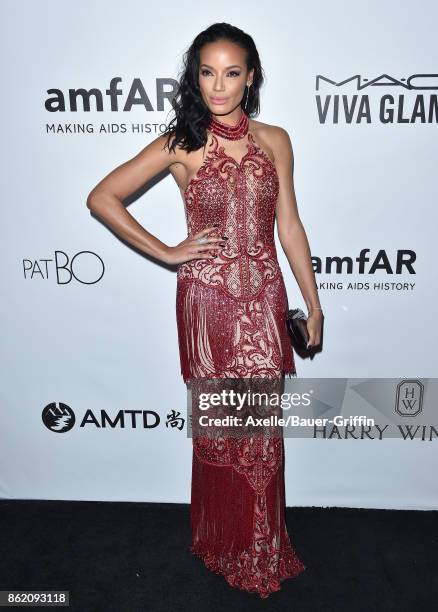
x=242 y=285
x=250 y=189
x=231 y=325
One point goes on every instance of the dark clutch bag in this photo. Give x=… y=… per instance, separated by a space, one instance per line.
x=296 y=322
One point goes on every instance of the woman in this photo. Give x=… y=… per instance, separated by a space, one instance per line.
x=235 y=175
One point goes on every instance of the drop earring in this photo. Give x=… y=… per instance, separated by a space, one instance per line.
x=247 y=96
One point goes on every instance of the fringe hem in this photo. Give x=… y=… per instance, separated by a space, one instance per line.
x=290 y=374
x=207 y=321
x=237 y=576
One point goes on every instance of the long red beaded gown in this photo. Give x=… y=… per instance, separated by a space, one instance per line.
x=231 y=326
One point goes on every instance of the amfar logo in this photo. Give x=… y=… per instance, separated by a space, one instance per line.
x=401 y=109
x=400 y=263
x=85 y=267
x=136 y=96
x=59 y=418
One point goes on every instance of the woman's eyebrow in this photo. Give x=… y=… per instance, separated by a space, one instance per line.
x=227 y=68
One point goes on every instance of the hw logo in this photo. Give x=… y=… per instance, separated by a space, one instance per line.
x=409 y=398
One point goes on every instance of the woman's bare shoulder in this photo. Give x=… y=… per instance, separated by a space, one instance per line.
x=273 y=137
x=272 y=133
x=183 y=164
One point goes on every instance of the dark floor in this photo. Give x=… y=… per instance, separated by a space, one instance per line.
x=135 y=556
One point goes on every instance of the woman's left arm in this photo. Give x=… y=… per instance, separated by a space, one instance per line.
x=292 y=235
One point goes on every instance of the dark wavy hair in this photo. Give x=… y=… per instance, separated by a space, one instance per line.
x=189 y=126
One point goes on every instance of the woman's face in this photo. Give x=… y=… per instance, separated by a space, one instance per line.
x=223 y=75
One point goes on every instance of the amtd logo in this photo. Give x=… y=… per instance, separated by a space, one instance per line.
x=59 y=418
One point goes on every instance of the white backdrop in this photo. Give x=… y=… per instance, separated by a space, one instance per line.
x=109 y=342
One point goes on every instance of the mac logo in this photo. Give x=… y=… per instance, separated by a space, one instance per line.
x=415 y=81
x=352 y=107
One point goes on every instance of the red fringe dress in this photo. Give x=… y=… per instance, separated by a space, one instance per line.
x=231 y=325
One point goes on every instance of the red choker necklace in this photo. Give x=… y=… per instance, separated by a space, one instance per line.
x=230 y=132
